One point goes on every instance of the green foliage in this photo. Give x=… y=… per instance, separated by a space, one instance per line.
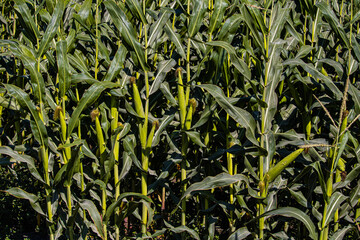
x=179 y=119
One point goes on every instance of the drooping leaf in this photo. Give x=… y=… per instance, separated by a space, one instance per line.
x=182 y=229
x=90 y=207
x=334 y=203
x=63 y=67
x=196 y=18
x=239 y=234
x=163 y=68
x=299 y=215
x=175 y=38
x=158 y=26
x=116 y=64
x=136 y=9
x=88 y=98
x=340 y=234
x=110 y=210
x=33 y=199
x=25 y=14
x=241 y=116
x=195 y=138
x=218 y=15
x=314 y=72
x=52 y=28
x=23 y=158
x=164 y=123
x=239 y=64
x=26 y=103
x=220 y=180
x=331 y=18
x=127 y=31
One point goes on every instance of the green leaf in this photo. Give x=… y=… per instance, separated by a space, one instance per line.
x=270 y=145
x=26 y=103
x=278 y=19
x=30 y=26
x=63 y=67
x=230 y=27
x=163 y=68
x=299 y=197
x=165 y=89
x=341 y=148
x=340 y=234
x=85 y=10
x=26 y=55
x=129 y=148
x=24 y=159
x=182 y=229
x=127 y=163
x=248 y=19
x=33 y=199
x=220 y=180
x=218 y=15
x=273 y=73
x=355 y=95
x=331 y=18
x=158 y=26
x=299 y=215
x=195 y=138
x=175 y=38
x=354 y=195
x=90 y=207
x=196 y=18
x=82 y=78
x=334 y=203
x=76 y=142
x=52 y=28
x=239 y=64
x=72 y=166
x=88 y=98
x=116 y=64
x=239 y=234
x=314 y=72
x=318 y=169
x=257 y=14
x=111 y=209
x=127 y=31
x=164 y=123
x=241 y=116
x=136 y=9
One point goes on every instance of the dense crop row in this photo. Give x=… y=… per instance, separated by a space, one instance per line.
x=183 y=119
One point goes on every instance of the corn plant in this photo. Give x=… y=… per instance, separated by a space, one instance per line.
x=183 y=119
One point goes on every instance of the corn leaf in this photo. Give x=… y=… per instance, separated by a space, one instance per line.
x=241 y=116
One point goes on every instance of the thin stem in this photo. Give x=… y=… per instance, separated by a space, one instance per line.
x=96 y=38
x=144 y=131
x=114 y=126
x=45 y=159
x=102 y=148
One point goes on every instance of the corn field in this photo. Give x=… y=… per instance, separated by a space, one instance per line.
x=181 y=119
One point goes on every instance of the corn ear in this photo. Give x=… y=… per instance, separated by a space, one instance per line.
x=137 y=99
x=280 y=166
x=190 y=113
x=341 y=165
x=181 y=96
